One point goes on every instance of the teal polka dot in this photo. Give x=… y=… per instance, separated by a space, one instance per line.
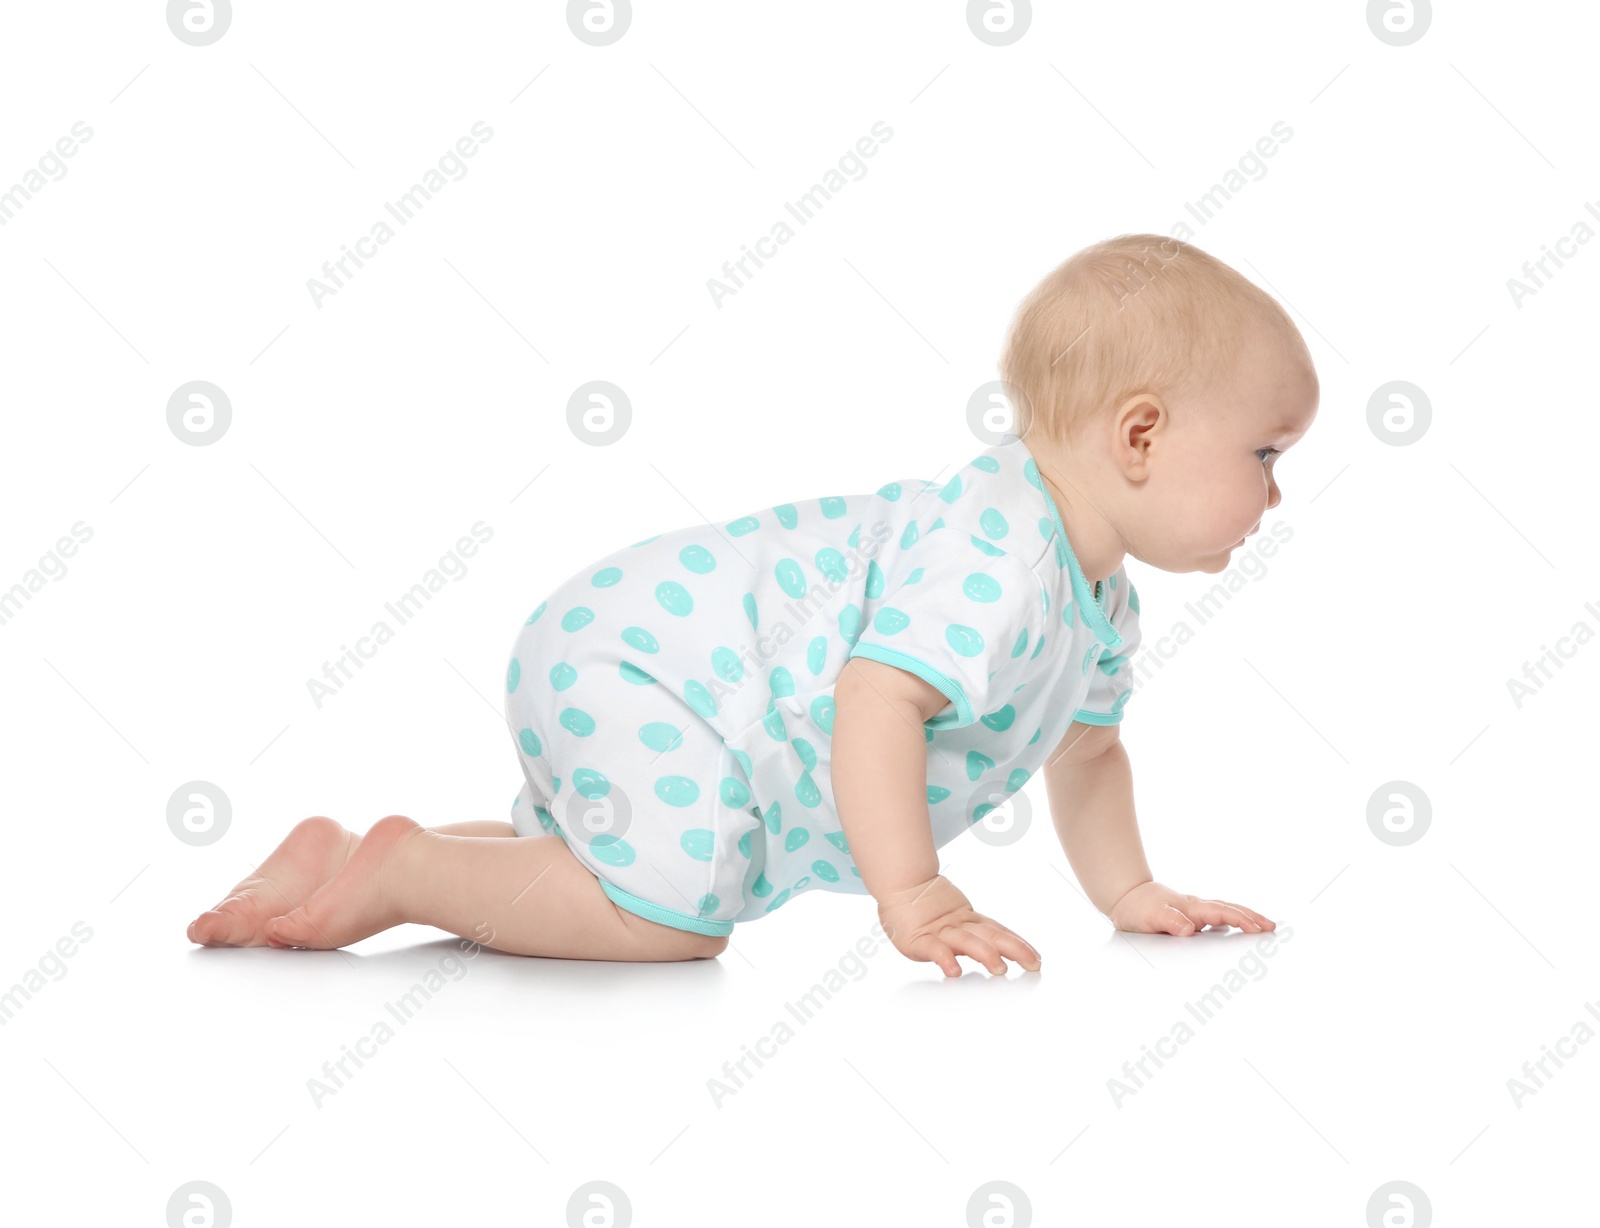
x=1111 y=665
x=989 y=464
x=781 y=681
x=660 y=737
x=562 y=676
x=761 y=887
x=788 y=515
x=578 y=616
x=994 y=523
x=699 y=843
x=805 y=789
x=744 y=843
x=534 y=617
x=937 y=524
x=743 y=525
x=632 y=673
x=936 y=794
x=965 y=640
x=1016 y=780
x=822 y=710
x=891 y=492
x=817 y=654
x=590 y=782
x=613 y=850
x=981 y=587
x=952 y=490
x=646 y=541
x=875 y=580
x=791 y=579
x=606 y=577
x=638 y=637
x=750 y=610
x=1037 y=648
x=977 y=764
x=833 y=507
x=832 y=565
x=1000 y=720
x=699 y=698
x=807 y=753
x=708 y=904
x=984 y=547
x=850 y=623
x=1021 y=645
x=578 y=721
x=1036 y=734
x=680 y=791
x=772 y=816
x=530 y=742
x=772 y=722
x=513 y=675
x=546 y=819
x=733 y=792
x=1030 y=470
x=744 y=762
x=726 y=665
x=697 y=559
x=916 y=574
x=802 y=881
x=825 y=871
x=555 y=784
x=777 y=900
x=890 y=621
x=674 y=598
x=909 y=535
x=1122 y=700
x=855 y=871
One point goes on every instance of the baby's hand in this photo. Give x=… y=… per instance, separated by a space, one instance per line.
x=1151 y=908
x=935 y=922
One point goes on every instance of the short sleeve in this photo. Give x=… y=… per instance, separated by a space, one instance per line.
x=1112 y=681
x=959 y=613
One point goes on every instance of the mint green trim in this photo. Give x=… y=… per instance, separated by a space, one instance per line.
x=664 y=916
x=950 y=688
x=1097 y=718
x=1090 y=608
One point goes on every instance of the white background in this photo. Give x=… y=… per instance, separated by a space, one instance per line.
x=430 y=393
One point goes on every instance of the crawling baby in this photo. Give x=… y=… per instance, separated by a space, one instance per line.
x=819 y=695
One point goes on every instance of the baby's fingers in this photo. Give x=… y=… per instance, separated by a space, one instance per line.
x=1265 y=923
x=1219 y=912
x=968 y=942
x=1012 y=945
x=929 y=948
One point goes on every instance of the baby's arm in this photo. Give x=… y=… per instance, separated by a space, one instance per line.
x=880 y=783
x=1090 y=785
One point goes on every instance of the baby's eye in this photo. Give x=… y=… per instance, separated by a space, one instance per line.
x=1266 y=454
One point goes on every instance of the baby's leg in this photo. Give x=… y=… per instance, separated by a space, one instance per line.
x=528 y=896
x=311 y=854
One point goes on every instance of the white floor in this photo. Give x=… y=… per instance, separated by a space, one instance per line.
x=189 y=582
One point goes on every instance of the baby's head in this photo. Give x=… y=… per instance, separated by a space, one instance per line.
x=1155 y=386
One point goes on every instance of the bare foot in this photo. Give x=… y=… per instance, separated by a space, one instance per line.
x=352 y=905
x=309 y=856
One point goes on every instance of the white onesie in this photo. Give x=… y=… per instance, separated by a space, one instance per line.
x=672 y=703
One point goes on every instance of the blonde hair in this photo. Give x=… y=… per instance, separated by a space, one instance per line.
x=1137 y=313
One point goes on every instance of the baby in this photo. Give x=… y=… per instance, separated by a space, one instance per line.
x=819 y=695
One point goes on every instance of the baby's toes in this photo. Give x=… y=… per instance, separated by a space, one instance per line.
x=293 y=929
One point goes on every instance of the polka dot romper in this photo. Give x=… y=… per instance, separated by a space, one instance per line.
x=672 y=703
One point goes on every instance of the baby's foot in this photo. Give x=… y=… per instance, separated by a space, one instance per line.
x=353 y=904
x=309 y=856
